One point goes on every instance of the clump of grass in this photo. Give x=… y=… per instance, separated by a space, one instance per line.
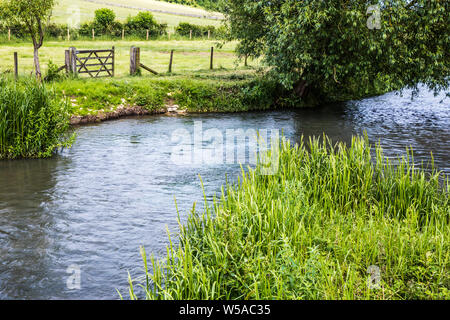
x=314 y=230
x=33 y=123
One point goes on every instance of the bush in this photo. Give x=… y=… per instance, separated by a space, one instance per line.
x=143 y=21
x=104 y=19
x=184 y=29
x=52 y=72
x=33 y=124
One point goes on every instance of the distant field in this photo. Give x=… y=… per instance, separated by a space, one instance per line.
x=66 y=11
x=189 y=56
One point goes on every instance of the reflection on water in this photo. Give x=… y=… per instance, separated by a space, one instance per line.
x=94 y=205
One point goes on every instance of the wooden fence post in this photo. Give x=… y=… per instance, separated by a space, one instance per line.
x=147 y=34
x=190 y=34
x=209 y=34
x=168 y=34
x=9 y=34
x=73 y=60
x=212 y=57
x=113 y=60
x=123 y=34
x=93 y=34
x=67 y=60
x=16 y=66
x=171 y=60
x=68 y=34
x=135 y=60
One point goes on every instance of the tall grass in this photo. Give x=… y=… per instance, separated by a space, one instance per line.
x=33 y=123
x=331 y=214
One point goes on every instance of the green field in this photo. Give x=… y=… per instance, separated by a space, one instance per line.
x=189 y=55
x=66 y=11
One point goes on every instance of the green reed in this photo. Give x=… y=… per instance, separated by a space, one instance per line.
x=313 y=230
x=33 y=123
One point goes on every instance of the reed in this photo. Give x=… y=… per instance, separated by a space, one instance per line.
x=315 y=230
x=33 y=123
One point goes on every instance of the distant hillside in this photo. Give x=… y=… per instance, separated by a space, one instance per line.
x=68 y=11
x=207 y=4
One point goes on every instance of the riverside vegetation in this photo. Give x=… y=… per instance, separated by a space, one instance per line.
x=331 y=214
x=34 y=123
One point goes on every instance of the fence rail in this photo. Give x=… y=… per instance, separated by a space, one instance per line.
x=101 y=63
x=104 y=58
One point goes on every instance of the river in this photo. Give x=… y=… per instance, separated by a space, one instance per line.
x=87 y=210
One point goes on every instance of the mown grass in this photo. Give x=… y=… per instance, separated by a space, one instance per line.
x=34 y=123
x=313 y=230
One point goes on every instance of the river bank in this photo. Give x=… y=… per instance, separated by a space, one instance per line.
x=219 y=91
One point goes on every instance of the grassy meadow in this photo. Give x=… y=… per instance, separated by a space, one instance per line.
x=189 y=56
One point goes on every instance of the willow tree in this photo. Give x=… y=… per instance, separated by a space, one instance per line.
x=344 y=48
x=34 y=17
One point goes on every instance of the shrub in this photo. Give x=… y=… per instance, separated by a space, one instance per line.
x=143 y=21
x=52 y=72
x=104 y=19
x=184 y=29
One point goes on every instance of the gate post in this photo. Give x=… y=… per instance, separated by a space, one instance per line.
x=113 y=59
x=73 y=61
x=67 y=61
x=135 y=60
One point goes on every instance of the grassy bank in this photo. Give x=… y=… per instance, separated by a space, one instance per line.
x=330 y=218
x=216 y=91
x=34 y=122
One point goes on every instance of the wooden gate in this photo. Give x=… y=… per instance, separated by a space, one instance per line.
x=96 y=63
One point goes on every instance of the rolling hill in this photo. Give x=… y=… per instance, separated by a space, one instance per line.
x=73 y=11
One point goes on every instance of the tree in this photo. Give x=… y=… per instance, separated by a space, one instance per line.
x=346 y=48
x=33 y=16
x=141 y=22
x=104 y=19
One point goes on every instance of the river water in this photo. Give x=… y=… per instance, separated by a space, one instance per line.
x=87 y=210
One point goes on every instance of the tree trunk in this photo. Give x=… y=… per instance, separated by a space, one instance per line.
x=37 y=65
x=300 y=88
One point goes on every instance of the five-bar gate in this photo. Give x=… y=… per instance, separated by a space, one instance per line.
x=96 y=63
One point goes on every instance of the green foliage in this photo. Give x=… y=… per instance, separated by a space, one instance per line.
x=104 y=19
x=33 y=124
x=135 y=26
x=143 y=21
x=184 y=29
x=33 y=16
x=207 y=4
x=312 y=231
x=52 y=72
x=327 y=48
